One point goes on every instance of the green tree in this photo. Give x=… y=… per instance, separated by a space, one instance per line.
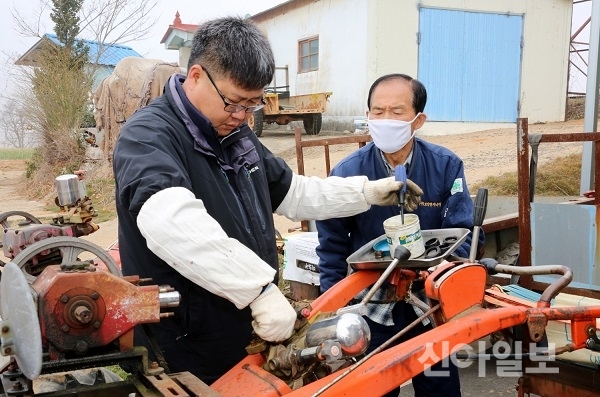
x=61 y=85
x=54 y=95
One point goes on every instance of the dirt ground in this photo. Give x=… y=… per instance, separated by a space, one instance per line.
x=485 y=153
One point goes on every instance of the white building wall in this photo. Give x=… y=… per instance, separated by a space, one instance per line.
x=361 y=40
x=342 y=29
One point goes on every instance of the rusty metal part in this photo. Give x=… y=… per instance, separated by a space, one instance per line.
x=572 y=380
x=523 y=193
x=294 y=359
x=83 y=309
x=536 y=323
x=256 y=346
x=12 y=219
x=194 y=385
x=553 y=289
x=68 y=250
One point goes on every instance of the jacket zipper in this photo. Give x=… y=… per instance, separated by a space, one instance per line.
x=239 y=204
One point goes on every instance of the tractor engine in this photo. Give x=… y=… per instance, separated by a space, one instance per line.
x=81 y=309
x=73 y=219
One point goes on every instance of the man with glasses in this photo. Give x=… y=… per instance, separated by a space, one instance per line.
x=195 y=194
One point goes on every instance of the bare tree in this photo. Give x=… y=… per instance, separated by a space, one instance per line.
x=117 y=21
x=20 y=130
x=105 y=21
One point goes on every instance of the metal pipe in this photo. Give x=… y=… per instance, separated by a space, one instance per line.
x=553 y=289
x=169 y=299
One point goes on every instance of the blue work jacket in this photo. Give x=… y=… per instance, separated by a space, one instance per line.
x=446 y=203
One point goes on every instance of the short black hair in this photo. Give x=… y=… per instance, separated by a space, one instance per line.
x=419 y=91
x=235 y=48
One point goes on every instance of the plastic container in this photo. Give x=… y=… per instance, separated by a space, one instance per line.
x=407 y=234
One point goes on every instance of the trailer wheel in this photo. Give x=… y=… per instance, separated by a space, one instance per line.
x=312 y=123
x=256 y=122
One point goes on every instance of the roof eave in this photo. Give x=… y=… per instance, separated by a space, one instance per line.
x=178 y=38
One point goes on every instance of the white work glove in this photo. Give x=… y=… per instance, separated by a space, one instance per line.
x=274 y=317
x=384 y=192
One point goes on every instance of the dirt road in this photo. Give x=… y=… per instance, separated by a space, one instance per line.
x=484 y=153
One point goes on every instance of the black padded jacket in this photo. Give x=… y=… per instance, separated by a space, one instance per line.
x=170 y=144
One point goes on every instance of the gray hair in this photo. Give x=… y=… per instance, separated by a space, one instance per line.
x=234 y=48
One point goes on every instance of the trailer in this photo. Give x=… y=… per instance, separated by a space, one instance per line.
x=282 y=108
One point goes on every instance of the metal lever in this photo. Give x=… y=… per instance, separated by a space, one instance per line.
x=480 y=203
x=400 y=174
x=401 y=254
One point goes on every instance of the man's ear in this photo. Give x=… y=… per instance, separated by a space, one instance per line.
x=367 y=113
x=194 y=73
x=421 y=118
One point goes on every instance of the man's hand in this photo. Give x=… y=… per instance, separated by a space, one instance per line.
x=274 y=317
x=385 y=192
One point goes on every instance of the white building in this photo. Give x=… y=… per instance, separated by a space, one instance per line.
x=481 y=61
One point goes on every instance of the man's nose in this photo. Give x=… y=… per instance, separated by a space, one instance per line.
x=239 y=115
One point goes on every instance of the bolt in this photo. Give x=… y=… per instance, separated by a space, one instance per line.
x=17 y=386
x=590 y=330
x=81 y=346
x=95 y=295
x=83 y=314
x=8 y=350
x=5 y=329
x=65 y=328
x=153 y=365
x=96 y=324
x=335 y=351
x=64 y=298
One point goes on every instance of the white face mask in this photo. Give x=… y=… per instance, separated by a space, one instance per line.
x=391 y=135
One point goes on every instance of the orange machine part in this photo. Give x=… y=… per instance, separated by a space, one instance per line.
x=457 y=287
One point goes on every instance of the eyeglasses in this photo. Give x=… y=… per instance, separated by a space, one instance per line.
x=234 y=107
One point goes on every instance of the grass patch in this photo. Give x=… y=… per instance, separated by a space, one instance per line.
x=102 y=193
x=15 y=154
x=118 y=371
x=562 y=177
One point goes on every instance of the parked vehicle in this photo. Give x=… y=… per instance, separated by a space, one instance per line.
x=281 y=108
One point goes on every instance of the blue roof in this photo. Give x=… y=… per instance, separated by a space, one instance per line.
x=111 y=55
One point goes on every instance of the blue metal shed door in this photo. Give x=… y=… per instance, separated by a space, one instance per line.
x=470 y=64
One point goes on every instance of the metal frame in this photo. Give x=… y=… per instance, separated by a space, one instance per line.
x=525 y=195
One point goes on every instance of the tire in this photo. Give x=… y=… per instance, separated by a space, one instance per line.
x=312 y=123
x=256 y=122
